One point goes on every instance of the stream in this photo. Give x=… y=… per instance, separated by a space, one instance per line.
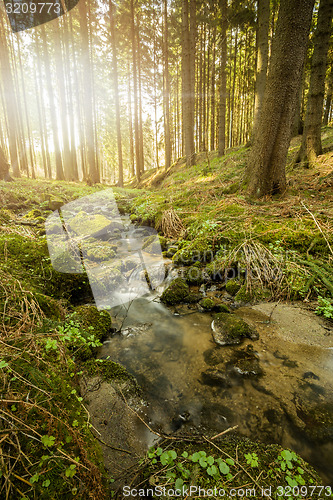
x=283 y=396
x=277 y=389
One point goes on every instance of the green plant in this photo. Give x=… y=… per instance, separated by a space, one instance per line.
x=252 y=459
x=288 y=463
x=325 y=307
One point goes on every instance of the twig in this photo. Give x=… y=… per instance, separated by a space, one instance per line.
x=224 y=432
x=318 y=226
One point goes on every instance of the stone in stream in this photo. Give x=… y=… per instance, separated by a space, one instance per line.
x=229 y=329
x=176 y=292
x=215 y=377
x=244 y=363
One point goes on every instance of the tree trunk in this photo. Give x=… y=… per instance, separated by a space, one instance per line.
x=188 y=93
x=262 y=58
x=223 y=83
x=328 y=97
x=55 y=128
x=265 y=171
x=311 y=140
x=9 y=99
x=116 y=92
x=135 y=91
x=166 y=91
x=4 y=167
x=88 y=96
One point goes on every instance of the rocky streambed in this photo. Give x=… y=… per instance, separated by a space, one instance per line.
x=265 y=368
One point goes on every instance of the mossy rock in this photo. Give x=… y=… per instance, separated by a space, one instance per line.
x=90 y=316
x=213 y=356
x=198 y=250
x=51 y=307
x=207 y=303
x=108 y=370
x=194 y=275
x=97 y=250
x=193 y=298
x=245 y=364
x=84 y=224
x=33 y=214
x=171 y=250
x=232 y=286
x=215 y=377
x=229 y=329
x=244 y=295
x=221 y=307
x=176 y=292
x=318 y=420
x=152 y=244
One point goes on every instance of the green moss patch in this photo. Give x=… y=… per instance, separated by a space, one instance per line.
x=176 y=292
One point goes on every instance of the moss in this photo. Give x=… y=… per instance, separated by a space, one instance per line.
x=51 y=307
x=100 y=321
x=229 y=329
x=207 y=303
x=197 y=250
x=85 y=224
x=108 y=370
x=6 y=215
x=194 y=275
x=193 y=298
x=97 y=250
x=244 y=295
x=232 y=286
x=176 y=292
x=222 y=308
x=34 y=214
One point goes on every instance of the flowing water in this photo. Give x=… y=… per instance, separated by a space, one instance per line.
x=170 y=351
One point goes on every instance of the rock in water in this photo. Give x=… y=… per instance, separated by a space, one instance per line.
x=176 y=292
x=215 y=377
x=229 y=329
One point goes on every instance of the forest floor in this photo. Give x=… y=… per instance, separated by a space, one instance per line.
x=282 y=247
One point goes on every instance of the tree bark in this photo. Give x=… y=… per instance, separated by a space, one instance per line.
x=188 y=75
x=9 y=100
x=116 y=92
x=88 y=96
x=166 y=90
x=55 y=127
x=328 y=103
x=311 y=141
x=223 y=83
x=262 y=58
x=265 y=171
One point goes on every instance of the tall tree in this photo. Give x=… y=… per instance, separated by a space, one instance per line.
x=311 y=141
x=112 y=9
x=328 y=102
x=265 y=170
x=166 y=94
x=50 y=90
x=139 y=167
x=223 y=77
x=88 y=95
x=262 y=57
x=188 y=77
x=9 y=99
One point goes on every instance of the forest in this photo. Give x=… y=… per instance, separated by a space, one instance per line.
x=166 y=249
